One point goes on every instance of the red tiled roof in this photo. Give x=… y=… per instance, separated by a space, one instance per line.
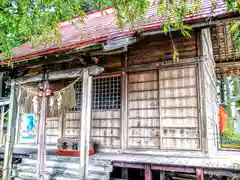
x=99 y=27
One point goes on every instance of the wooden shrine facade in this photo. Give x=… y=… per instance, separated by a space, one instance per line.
x=147 y=102
x=144 y=103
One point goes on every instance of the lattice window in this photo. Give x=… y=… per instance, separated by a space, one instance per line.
x=106 y=93
x=106 y=112
x=106 y=104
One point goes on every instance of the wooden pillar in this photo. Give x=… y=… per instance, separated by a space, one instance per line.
x=162 y=175
x=2 y=108
x=124 y=172
x=199 y=174
x=42 y=132
x=7 y=165
x=124 y=104
x=148 y=172
x=85 y=123
x=208 y=94
x=124 y=117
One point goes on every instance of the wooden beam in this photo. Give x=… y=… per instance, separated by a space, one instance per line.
x=64 y=74
x=42 y=134
x=162 y=175
x=4 y=101
x=148 y=172
x=7 y=165
x=173 y=169
x=85 y=123
x=124 y=172
x=199 y=174
x=164 y=64
x=128 y=165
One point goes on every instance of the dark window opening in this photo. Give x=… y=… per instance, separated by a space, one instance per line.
x=106 y=94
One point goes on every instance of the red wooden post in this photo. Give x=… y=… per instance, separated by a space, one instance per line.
x=148 y=172
x=199 y=174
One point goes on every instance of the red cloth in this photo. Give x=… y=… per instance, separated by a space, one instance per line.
x=72 y=153
x=222 y=119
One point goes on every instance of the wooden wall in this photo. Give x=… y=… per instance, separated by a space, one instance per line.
x=143 y=110
x=52 y=130
x=179 y=108
x=106 y=118
x=72 y=124
x=224 y=48
x=209 y=94
x=163 y=109
x=106 y=128
x=159 y=48
x=162 y=104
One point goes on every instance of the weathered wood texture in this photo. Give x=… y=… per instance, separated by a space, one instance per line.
x=208 y=93
x=106 y=118
x=71 y=124
x=143 y=110
x=173 y=124
x=224 y=48
x=159 y=48
x=179 y=108
x=52 y=127
x=106 y=128
x=105 y=113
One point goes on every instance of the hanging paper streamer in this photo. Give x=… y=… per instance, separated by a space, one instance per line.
x=28 y=126
x=62 y=100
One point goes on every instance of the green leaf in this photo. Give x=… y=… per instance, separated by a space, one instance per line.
x=238 y=44
x=165 y=28
x=187 y=27
x=235 y=26
x=237 y=35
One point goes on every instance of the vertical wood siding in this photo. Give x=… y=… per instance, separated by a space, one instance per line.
x=209 y=91
x=179 y=108
x=72 y=124
x=106 y=128
x=143 y=110
x=52 y=121
x=52 y=130
x=172 y=125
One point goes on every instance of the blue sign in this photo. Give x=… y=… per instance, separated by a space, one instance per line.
x=28 y=126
